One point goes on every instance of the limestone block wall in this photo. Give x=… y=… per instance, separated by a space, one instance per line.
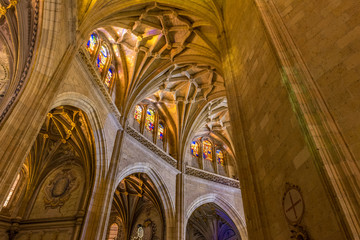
x=327 y=34
x=274 y=143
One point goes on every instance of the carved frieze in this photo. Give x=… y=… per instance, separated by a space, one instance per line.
x=212 y=177
x=151 y=146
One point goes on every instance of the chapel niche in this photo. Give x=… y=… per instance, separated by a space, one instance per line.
x=51 y=189
x=209 y=221
x=137 y=210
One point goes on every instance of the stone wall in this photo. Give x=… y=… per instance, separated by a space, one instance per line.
x=273 y=149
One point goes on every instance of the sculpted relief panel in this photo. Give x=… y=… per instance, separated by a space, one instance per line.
x=60 y=194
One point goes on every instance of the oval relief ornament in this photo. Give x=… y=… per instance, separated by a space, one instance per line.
x=59 y=189
x=293 y=204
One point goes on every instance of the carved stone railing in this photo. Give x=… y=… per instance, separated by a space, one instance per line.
x=212 y=177
x=151 y=146
x=97 y=80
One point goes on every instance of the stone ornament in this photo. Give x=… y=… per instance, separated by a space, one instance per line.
x=299 y=233
x=293 y=204
x=59 y=189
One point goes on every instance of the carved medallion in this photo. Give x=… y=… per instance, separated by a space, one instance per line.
x=293 y=204
x=59 y=189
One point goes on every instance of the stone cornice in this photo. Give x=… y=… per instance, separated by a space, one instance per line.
x=151 y=146
x=212 y=177
x=98 y=82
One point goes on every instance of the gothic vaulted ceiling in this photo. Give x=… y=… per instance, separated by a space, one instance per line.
x=169 y=53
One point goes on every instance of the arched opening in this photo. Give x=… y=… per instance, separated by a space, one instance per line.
x=138 y=209
x=209 y=221
x=55 y=181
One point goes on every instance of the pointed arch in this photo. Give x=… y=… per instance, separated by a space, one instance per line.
x=161 y=186
x=224 y=205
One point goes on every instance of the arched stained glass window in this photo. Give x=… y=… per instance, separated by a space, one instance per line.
x=92 y=43
x=195 y=149
x=161 y=131
x=113 y=233
x=207 y=150
x=220 y=157
x=108 y=78
x=138 y=113
x=150 y=119
x=102 y=58
x=7 y=200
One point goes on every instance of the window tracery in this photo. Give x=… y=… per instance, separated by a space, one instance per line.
x=147 y=117
x=97 y=47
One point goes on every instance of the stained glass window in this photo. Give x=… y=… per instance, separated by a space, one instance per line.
x=161 y=132
x=220 y=157
x=108 y=78
x=113 y=233
x=207 y=150
x=102 y=58
x=91 y=44
x=138 y=113
x=150 y=119
x=7 y=200
x=195 y=149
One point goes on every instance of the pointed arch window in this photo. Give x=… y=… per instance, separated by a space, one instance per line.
x=195 y=149
x=92 y=43
x=220 y=157
x=109 y=78
x=150 y=119
x=207 y=150
x=113 y=233
x=7 y=200
x=102 y=58
x=161 y=130
x=138 y=113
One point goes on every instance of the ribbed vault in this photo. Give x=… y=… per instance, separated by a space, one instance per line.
x=210 y=222
x=169 y=55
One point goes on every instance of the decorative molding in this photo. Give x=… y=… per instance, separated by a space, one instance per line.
x=293 y=204
x=99 y=83
x=27 y=64
x=59 y=189
x=151 y=146
x=212 y=177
